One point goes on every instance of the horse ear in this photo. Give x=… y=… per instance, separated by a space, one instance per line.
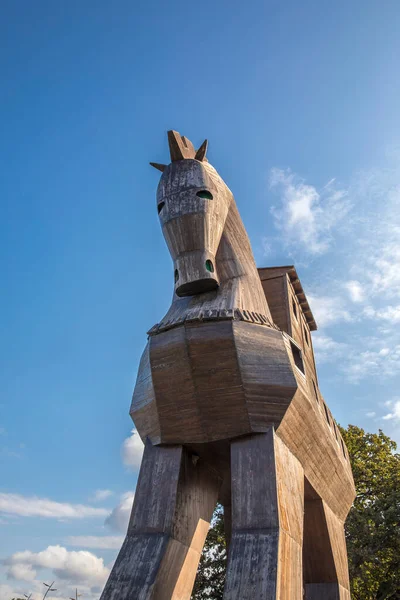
x=201 y=152
x=176 y=146
x=180 y=147
x=159 y=166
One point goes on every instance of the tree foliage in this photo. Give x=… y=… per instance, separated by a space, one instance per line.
x=211 y=572
x=372 y=527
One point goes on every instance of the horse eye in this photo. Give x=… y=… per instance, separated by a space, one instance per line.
x=160 y=207
x=205 y=194
x=209 y=266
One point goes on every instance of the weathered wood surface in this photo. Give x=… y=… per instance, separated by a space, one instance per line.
x=229 y=378
x=222 y=379
x=173 y=505
x=326 y=591
x=265 y=553
x=324 y=550
x=290 y=271
x=202 y=373
x=198 y=229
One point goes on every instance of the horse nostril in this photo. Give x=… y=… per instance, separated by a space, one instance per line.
x=160 y=207
x=176 y=275
x=209 y=266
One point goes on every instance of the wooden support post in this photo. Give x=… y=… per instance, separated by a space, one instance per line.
x=265 y=554
x=228 y=524
x=326 y=574
x=174 y=502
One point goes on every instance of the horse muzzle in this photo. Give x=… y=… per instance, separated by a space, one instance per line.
x=195 y=273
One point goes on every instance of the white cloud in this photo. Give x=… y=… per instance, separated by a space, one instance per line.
x=328 y=309
x=384 y=362
x=355 y=290
x=119 y=518
x=387 y=313
x=305 y=217
x=266 y=245
x=384 y=352
x=395 y=414
x=112 y=542
x=76 y=567
x=132 y=450
x=327 y=349
x=6 y=592
x=101 y=495
x=31 y=506
x=371 y=414
x=23 y=572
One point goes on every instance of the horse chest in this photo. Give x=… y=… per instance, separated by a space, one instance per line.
x=212 y=381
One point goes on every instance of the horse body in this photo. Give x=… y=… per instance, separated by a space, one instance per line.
x=227 y=415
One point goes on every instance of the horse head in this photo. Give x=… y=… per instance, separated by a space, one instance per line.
x=193 y=203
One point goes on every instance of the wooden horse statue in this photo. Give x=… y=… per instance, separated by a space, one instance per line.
x=228 y=405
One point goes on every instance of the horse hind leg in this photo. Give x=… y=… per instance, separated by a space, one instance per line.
x=265 y=553
x=326 y=574
x=173 y=506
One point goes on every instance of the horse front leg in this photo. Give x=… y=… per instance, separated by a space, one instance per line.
x=174 y=502
x=265 y=553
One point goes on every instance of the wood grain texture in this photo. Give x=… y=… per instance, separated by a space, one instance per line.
x=198 y=229
x=228 y=382
x=275 y=290
x=266 y=372
x=173 y=505
x=324 y=550
x=290 y=271
x=307 y=434
x=338 y=545
x=265 y=554
x=326 y=591
x=200 y=373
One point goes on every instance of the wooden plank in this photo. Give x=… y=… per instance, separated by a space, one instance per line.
x=266 y=372
x=265 y=557
x=274 y=290
x=173 y=506
x=326 y=591
x=306 y=433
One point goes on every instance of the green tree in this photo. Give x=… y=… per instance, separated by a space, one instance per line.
x=210 y=577
x=373 y=525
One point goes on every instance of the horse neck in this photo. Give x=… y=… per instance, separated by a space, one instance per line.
x=237 y=269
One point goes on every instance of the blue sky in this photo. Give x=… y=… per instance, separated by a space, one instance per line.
x=299 y=102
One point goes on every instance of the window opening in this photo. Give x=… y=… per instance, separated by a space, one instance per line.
x=306 y=336
x=335 y=430
x=297 y=357
x=327 y=414
x=294 y=307
x=315 y=391
x=343 y=449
